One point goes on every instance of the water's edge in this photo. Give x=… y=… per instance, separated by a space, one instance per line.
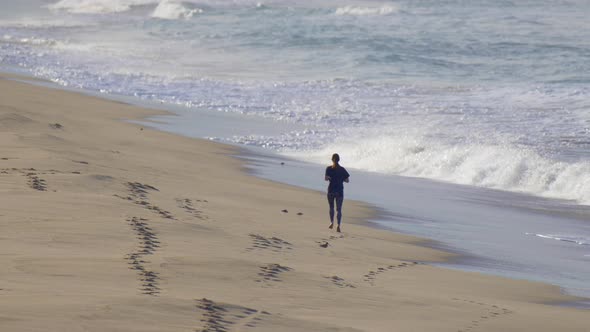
x=460 y=260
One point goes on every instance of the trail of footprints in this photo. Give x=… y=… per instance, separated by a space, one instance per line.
x=148 y=243
x=372 y=275
x=274 y=244
x=491 y=311
x=189 y=206
x=138 y=194
x=217 y=317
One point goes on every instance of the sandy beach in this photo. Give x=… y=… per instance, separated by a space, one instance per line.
x=109 y=226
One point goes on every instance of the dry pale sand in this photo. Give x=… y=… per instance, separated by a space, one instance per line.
x=105 y=226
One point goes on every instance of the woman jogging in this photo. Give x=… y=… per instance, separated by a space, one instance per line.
x=336 y=174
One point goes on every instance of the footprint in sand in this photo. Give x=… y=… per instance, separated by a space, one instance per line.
x=36 y=182
x=193 y=207
x=372 y=275
x=138 y=194
x=340 y=282
x=271 y=273
x=224 y=317
x=287 y=211
x=33 y=179
x=33 y=176
x=488 y=311
x=148 y=244
x=273 y=244
x=325 y=242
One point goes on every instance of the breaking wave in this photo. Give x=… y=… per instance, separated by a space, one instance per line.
x=491 y=166
x=173 y=11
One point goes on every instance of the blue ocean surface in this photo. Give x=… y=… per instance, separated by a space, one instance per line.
x=479 y=108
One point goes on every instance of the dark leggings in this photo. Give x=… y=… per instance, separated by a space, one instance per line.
x=338 y=198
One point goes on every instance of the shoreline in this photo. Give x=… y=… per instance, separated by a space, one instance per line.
x=304 y=274
x=454 y=258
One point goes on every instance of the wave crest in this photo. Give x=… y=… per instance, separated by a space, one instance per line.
x=173 y=11
x=364 y=11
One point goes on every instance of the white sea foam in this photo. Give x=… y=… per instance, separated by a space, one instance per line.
x=363 y=11
x=34 y=41
x=565 y=238
x=167 y=7
x=170 y=10
x=44 y=23
x=97 y=6
x=491 y=166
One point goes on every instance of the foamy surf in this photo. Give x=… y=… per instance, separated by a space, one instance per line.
x=97 y=6
x=171 y=10
x=28 y=41
x=490 y=166
x=366 y=11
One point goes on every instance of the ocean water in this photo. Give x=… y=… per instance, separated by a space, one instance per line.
x=486 y=93
x=491 y=95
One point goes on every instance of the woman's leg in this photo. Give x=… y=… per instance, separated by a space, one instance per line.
x=331 y=203
x=339 y=200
